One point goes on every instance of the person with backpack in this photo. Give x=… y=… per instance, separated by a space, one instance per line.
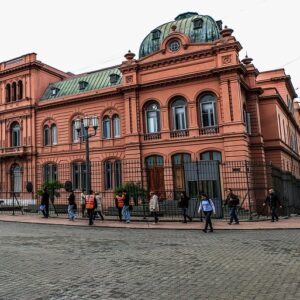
x=208 y=208
x=232 y=201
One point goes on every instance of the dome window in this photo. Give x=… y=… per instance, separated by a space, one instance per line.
x=54 y=91
x=114 y=78
x=174 y=45
x=82 y=85
x=219 y=24
x=198 y=23
x=156 y=34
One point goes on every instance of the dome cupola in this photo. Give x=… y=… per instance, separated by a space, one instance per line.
x=199 y=28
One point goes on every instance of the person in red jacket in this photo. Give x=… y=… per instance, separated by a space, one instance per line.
x=119 y=200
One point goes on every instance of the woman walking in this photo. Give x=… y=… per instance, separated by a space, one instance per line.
x=208 y=208
x=153 y=206
x=72 y=206
x=98 y=210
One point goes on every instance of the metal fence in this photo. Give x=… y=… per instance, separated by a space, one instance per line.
x=249 y=180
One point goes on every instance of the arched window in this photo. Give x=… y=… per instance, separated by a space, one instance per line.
x=7 y=93
x=15 y=135
x=116 y=126
x=179 y=114
x=79 y=175
x=54 y=134
x=75 y=135
x=50 y=172
x=181 y=158
x=16 y=178
x=46 y=135
x=20 y=90
x=208 y=110
x=211 y=155
x=112 y=174
x=14 y=91
x=106 y=127
x=152 y=114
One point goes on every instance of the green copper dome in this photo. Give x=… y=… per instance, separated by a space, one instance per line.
x=199 y=28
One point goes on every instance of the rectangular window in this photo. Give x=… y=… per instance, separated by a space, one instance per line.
x=180 y=120
x=118 y=173
x=248 y=123
x=208 y=114
x=152 y=122
x=108 y=175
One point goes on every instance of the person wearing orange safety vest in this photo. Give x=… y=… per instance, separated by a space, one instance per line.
x=90 y=205
x=119 y=200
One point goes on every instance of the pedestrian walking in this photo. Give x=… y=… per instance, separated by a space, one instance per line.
x=183 y=203
x=232 y=201
x=82 y=202
x=125 y=210
x=45 y=203
x=119 y=201
x=72 y=206
x=273 y=201
x=98 y=209
x=208 y=208
x=154 y=206
x=90 y=205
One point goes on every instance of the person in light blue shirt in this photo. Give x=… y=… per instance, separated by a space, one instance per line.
x=208 y=208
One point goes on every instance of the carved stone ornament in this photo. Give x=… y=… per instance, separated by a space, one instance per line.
x=226 y=59
x=129 y=79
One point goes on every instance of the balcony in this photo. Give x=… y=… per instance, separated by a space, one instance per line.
x=152 y=136
x=13 y=151
x=179 y=133
x=209 y=130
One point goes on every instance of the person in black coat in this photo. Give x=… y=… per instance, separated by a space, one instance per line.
x=183 y=203
x=232 y=201
x=273 y=201
x=45 y=202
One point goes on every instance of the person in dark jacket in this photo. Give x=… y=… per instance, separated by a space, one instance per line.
x=72 y=206
x=273 y=201
x=45 y=202
x=232 y=201
x=125 y=210
x=183 y=203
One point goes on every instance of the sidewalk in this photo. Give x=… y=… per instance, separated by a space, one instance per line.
x=291 y=223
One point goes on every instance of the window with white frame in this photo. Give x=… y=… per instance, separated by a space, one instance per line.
x=106 y=127
x=179 y=114
x=15 y=135
x=208 y=111
x=152 y=114
x=116 y=126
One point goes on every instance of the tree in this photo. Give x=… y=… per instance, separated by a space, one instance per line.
x=53 y=187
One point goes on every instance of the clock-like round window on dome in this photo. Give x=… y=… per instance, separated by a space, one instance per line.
x=174 y=46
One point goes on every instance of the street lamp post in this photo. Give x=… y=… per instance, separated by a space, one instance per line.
x=83 y=125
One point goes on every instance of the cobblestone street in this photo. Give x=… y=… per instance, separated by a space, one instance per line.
x=65 y=262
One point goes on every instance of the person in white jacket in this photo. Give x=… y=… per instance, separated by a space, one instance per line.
x=153 y=206
x=208 y=208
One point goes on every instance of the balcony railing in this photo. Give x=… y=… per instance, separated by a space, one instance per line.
x=179 y=133
x=13 y=151
x=152 y=136
x=209 y=130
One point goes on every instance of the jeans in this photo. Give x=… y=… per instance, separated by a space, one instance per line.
x=126 y=213
x=45 y=211
x=274 y=214
x=71 y=212
x=233 y=215
x=185 y=215
x=207 y=215
x=154 y=214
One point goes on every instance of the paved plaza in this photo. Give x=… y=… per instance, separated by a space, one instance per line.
x=41 y=261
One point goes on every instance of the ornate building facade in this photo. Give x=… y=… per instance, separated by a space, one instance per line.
x=187 y=97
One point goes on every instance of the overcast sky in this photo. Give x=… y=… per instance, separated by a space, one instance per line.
x=80 y=36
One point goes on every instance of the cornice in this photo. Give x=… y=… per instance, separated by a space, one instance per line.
x=140 y=66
